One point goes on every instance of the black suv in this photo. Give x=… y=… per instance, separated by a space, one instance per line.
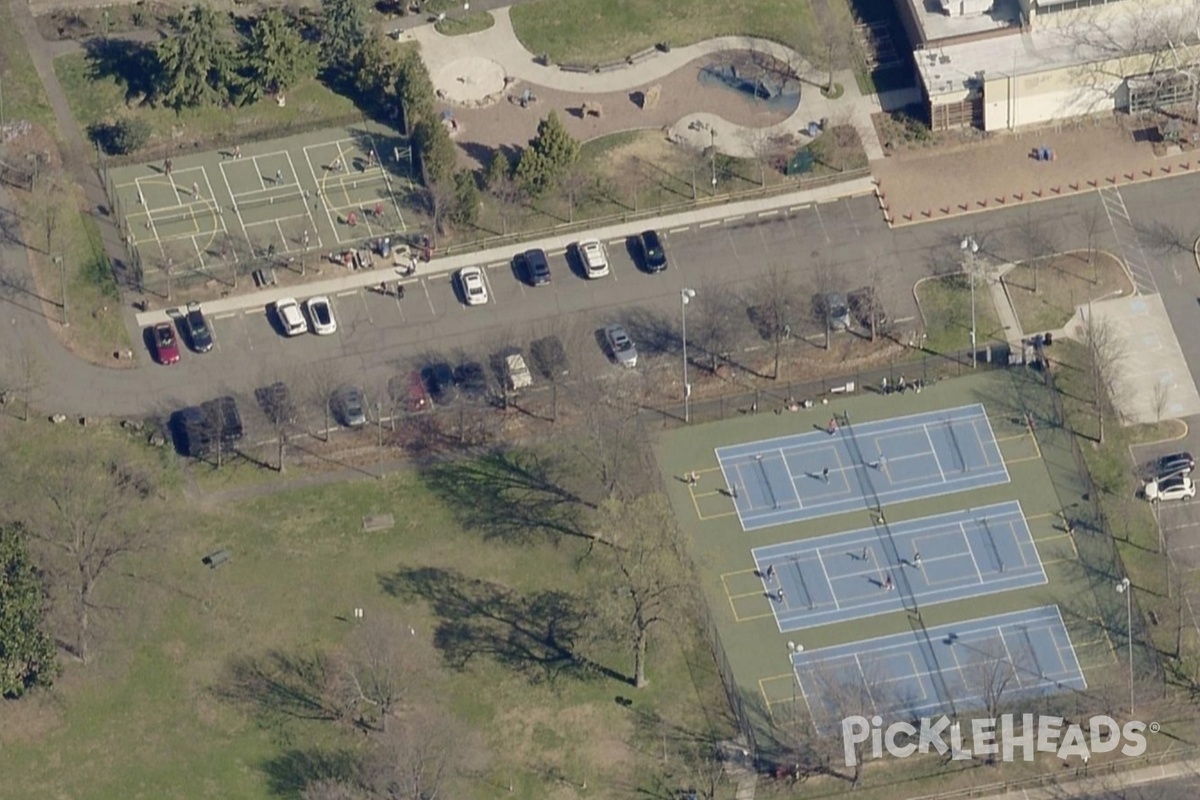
x=654 y=255
x=535 y=267
x=199 y=336
x=199 y=428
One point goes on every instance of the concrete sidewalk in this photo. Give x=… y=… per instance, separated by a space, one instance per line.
x=440 y=266
x=1109 y=785
x=472 y=69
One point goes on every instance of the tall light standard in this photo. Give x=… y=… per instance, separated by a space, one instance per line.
x=971 y=248
x=712 y=138
x=1126 y=588
x=685 y=297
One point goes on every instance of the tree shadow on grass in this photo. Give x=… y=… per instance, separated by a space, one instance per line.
x=134 y=65
x=289 y=773
x=278 y=686
x=535 y=635
x=512 y=495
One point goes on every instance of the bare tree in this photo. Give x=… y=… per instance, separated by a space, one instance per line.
x=1037 y=242
x=1092 y=221
x=29 y=372
x=713 y=322
x=278 y=406
x=647 y=583
x=848 y=693
x=510 y=198
x=1104 y=351
x=324 y=377
x=575 y=184
x=80 y=501
x=385 y=662
x=839 y=37
x=827 y=295
x=771 y=309
x=418 y=758
x=608 y=452
x=439 y=201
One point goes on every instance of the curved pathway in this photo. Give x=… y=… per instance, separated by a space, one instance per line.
x=500 y=45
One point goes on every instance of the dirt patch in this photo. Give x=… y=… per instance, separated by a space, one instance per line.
x=1063 y=283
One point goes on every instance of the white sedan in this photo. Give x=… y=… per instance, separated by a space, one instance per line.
x=594 y=256
x=473 y=286
x=288 y=311
x=320 y=311
x=1174 y=488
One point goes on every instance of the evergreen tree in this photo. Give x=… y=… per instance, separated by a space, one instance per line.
x=27 y=654
x=196 y=66
x=343 y=32
x=414 y=88
x=466 y=198
x=551 y=153
x=498 y=169
x=275 y=57
x=375 y=71
x=435 y=151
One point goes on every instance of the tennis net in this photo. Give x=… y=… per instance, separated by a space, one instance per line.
x=190 y=214
x=805 y=596
x=991 y=543
x=244 y=203
x=962 y=462
x=766 y=481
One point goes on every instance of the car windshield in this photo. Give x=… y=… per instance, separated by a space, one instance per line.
x=165 y=337
x=652 y=244
x=196 y=323
x=622 y=341
x=322 y=312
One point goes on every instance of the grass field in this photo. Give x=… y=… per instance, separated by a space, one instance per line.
x=95 y=94
x=153 y=715
x=24 y=97
x=945 y=304
x=1042 y=479
x=598 y=31
x=1064 y=282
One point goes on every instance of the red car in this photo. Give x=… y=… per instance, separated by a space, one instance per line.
x=166 y=347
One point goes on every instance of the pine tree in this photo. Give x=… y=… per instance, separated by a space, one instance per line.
x=196 y=67
x=275 y=56
x=343 y=32
x=548 y=156
x=466 y=198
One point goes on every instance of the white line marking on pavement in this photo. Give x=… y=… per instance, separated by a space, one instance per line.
x=734 y=219
x=347 y=293
x=497 y=264
x=804 y=207
x=712 y=224
x=679 y=230
x=613 y=242
x=230 y=315
x=771 y=213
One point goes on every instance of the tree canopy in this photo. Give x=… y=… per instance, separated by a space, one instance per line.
x=28 y=656
x=197 y=65
x=275 y=57
x=550 y=154
x=343 y=32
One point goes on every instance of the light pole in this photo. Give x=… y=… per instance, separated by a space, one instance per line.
x=1126 y=588
x=712 y=138
x=971 y=248
x=685 y=297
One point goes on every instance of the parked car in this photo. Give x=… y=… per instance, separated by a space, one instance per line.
x=474 y=289
x=166 y=347
x=1170 y=464
x=349 y=406
x=864 y=304
x=516 y=372
x=320 y=312
x=535 y=267
x=200 y=430
x=832 y=310
x=654 y=255
x=199 y=336
x=439 y=380
x=1179 y=487
x=471 y=379
x=288 y=312
x=594 y=257
x=549 y=357
x=623 y=349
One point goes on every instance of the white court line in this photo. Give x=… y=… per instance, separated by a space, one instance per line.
x=933 y=450
x=866 y=684
x=832 y=592
x=1008 y=655
x=791 y=479
x=237 y=212
x=258 y=172
x=729 y=488
x=321 y=194
x=305 y=195
x=970 y=551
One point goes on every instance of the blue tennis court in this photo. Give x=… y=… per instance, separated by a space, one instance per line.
x=868 y=465
x=847 y=576
x=947 y=668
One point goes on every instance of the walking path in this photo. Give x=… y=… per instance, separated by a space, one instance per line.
x=463 y=75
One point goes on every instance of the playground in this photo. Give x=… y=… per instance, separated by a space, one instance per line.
x=210 y=215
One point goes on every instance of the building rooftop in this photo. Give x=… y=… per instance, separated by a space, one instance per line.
x=940 y=20
x=1062 y=40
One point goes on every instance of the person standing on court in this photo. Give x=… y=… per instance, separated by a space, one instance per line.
x=825 y=474
x=278 y=177
x=832 y=427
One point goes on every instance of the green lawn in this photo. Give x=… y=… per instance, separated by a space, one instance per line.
x=24 y=97
x=461 y=24
x=96 y=99
x=946 y=306
x=1064 y=283
x=151 y=717
x=598 y=31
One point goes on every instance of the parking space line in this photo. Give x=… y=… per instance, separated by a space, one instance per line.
x=491 y=292
x=230 y=315
x=497 y=264
x=679 y=230
x=367 y=308
x=734 y=219
x=770 y=213
x=562 y=251
x=428 y=299
x=347 y=293
x=712 y=224
x=805 y=207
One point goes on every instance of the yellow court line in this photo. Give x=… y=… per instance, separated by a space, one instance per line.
x=724 y=575
x=1044 y=515
x=746 y=594
x=751 y=619
x=1038 y=457
x=706 y=494
x=1036 y=444
x=695 y=504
